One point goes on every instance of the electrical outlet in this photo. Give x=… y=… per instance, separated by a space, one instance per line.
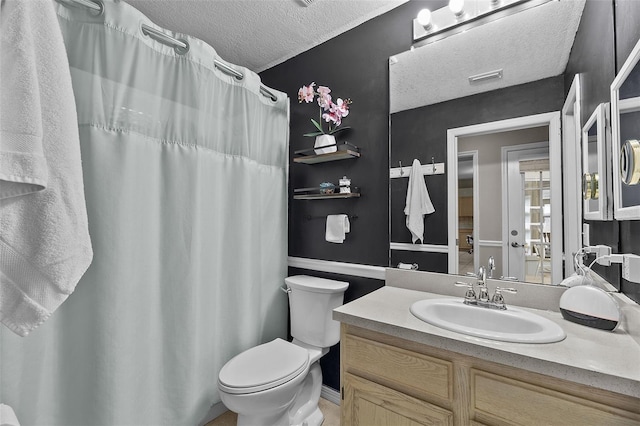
x=585 y=234
x=631 y=267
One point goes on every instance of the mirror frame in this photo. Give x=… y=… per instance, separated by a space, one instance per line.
x=618 y=107
x=599 y=118
x=571 y=170
x=551 y=119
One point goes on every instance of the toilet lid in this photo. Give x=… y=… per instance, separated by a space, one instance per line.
x=263 y=367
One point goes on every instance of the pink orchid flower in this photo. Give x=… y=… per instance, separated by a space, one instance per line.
x=324 y=98
x=330 y=112
x=306 y=93
x=340 y=108
x=332 y=117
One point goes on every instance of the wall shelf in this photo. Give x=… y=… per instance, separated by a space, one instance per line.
x=326 y=196
x=344 y=152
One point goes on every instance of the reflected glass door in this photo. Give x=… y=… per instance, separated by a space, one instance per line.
x=529 y=215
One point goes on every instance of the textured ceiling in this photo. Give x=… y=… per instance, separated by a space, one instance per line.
x=259 y=34
x=528 y=46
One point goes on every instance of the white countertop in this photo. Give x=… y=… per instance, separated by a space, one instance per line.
x=598 y=358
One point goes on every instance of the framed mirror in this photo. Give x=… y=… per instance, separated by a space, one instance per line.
x=625 y=144
x=596 y=166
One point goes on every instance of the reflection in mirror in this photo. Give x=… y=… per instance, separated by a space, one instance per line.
x=625 y=120
x=504 y=200
x=524 y=254
x=596 y=178
x=429 y=76
x=467 y=206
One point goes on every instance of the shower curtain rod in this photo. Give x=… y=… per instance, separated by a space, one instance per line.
x=181 y=46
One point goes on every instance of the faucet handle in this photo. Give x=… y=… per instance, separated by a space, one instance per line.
x=470 y=294
x=498 y=298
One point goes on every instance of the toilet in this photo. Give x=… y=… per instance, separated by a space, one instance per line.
x=279 y=382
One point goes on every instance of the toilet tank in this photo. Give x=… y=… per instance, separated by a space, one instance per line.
x=311 y=301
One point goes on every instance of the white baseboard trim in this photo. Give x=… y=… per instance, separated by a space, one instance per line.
x=355 y=269
x=430 y=248
x=489 y=243
x=330 y=395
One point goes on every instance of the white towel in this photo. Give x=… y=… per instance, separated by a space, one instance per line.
x=7 y=416
x=337 y=228
x=44 y=237
x=418 y=202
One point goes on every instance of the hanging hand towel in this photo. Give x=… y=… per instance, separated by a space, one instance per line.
x=337 y=228
x=44 y=237
x=418 y=202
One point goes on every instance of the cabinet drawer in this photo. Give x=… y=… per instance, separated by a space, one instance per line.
x=499 y=400
x=368 y=403
x=391 y=365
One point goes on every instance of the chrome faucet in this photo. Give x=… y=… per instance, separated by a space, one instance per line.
x=483 y=293
x=481 y=297
x=491 y=266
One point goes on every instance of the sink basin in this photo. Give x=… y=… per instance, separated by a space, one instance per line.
x=511 y=325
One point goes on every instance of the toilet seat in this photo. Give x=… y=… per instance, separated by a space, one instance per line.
x=263 y=367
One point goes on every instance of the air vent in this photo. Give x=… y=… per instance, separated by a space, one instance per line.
x=307 y=2
x=478 y=78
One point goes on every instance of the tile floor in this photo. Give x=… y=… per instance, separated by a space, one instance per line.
x=330 y=410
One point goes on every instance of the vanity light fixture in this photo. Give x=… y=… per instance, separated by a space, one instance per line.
x=461 y=15
x=424 y=19
x=457 y=8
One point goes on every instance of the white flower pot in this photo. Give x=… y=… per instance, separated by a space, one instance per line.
x=324 y=140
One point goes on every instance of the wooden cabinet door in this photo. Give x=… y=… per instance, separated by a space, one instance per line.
x=498 y=400
x=369 y=404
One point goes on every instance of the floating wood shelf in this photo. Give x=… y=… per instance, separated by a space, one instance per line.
x=344 y=152
x=326 y=196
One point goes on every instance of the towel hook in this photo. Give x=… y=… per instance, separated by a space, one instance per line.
x=433 y=164
x=401 y=171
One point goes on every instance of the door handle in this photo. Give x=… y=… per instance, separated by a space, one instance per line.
x=516 y=245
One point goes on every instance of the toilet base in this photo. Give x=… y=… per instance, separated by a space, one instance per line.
x=315 y=419
x=304 y=410
x=278 y=420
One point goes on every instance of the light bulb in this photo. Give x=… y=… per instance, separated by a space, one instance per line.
x=456 y=7
x=424 y=18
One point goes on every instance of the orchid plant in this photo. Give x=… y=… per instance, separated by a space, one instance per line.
x=330 y=112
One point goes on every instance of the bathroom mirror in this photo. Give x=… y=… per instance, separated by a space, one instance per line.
x=625 y=148
x=427 y=77
x=596 y=166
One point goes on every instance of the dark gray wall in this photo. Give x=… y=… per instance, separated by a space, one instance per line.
x=608 y=32
x=353 y=65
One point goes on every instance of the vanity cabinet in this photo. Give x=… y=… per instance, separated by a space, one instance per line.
x=390 y=381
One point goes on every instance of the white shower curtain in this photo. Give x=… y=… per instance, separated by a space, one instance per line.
x=185 y=174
